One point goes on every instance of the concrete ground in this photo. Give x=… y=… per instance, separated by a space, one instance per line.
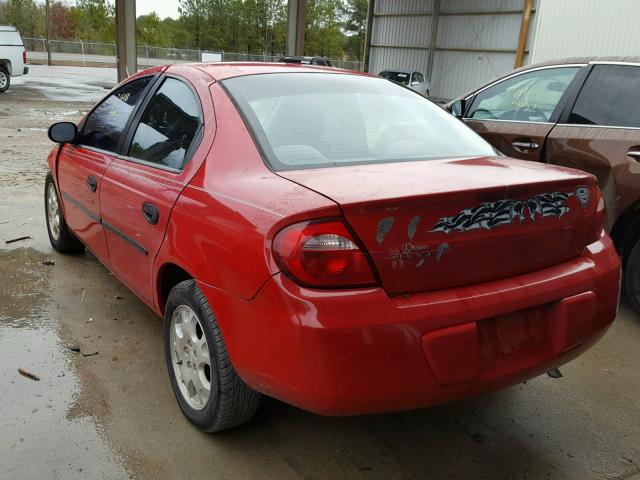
x=113 y=414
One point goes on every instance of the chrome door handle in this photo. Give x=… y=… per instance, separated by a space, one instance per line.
x=525 y=145
x=634 y=154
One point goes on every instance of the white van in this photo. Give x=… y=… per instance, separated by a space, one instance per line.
x=13 y=56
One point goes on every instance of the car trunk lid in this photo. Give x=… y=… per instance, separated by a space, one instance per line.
x=446 y=223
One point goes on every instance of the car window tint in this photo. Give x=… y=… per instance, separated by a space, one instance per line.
x=609 y=97
x=529 y=97
x=304 y=120
x=167 y=126
x=103 y=127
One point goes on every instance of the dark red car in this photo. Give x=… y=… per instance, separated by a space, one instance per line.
x=330 y=239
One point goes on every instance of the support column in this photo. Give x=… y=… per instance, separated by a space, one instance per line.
x=127 y=55
x=296 y=24
x=367 y=35
x=435 y=18
x=524 y=33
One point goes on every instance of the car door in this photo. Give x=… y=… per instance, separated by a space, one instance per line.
x=600 y=132
x=517 y=113
x=81 y=166
x=141 y=186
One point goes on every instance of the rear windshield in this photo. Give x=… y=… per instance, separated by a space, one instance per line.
x=310 y=120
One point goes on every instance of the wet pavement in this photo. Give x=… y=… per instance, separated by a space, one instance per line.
x=112 y=414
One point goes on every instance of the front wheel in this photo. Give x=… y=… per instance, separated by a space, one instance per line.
x=5 y=79
x=62 y=240
x=209 y=391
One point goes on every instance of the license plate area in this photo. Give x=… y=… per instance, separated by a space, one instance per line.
x=514 y=341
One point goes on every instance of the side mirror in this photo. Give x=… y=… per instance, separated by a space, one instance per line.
x=458 y=107
x=63 y=132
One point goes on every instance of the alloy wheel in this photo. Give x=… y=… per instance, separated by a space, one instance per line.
x=53 y=207
x=190 y=357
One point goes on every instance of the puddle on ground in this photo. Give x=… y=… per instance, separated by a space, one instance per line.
x=43 y=436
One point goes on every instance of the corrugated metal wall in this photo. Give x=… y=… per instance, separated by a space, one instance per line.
x=572 y=28
x=475 y=40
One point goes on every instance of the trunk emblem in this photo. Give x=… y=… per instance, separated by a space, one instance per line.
x=489 y=215
x=582 y=194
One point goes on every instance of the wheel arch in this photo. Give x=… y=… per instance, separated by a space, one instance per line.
x=168 y=276
x=626 y=228
x=6 y=64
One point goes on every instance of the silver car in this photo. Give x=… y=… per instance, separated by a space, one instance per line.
x=413 y=80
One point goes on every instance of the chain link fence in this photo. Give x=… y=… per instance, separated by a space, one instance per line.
x=78 y=52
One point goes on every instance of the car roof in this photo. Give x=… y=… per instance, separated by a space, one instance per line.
x=559 y=63
x=222 y=71
x=8 y=28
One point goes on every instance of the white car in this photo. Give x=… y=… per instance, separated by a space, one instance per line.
x=413 y=80
x=13 y=56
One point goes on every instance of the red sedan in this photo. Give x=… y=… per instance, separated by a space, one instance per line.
x=330 y=239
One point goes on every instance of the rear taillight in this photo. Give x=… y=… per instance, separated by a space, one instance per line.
x=322 y=254
x=24 y=56
x=599 y=218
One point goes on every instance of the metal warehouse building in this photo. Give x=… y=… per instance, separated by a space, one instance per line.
x=459 y=44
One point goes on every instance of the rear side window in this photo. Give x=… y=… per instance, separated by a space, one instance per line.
x=609 y=97
x=309 y=120
x=528 y=97
x=103 y=127
x=167 y=126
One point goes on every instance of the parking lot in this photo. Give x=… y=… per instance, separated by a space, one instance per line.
x=108 y=411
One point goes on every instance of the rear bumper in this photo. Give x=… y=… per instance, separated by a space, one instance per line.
x=359 y=351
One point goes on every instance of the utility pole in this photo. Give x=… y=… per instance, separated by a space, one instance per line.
x=46 y=19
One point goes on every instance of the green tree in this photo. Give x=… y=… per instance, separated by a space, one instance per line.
x=94 y=20
x=152 y=31
x=354 y=13
x=324 y=34
x=25 y=15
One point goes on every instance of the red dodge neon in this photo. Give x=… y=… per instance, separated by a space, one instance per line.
x=330 y=239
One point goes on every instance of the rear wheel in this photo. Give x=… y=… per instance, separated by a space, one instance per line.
x=209 y=391
x=62 y=240
x=5 y=80
x=632 y=276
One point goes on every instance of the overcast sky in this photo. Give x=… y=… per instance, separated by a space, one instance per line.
x=164 y=8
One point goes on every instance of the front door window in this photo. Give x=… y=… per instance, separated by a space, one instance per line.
x=528 y=97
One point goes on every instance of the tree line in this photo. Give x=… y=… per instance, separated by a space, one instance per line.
x=335 y=28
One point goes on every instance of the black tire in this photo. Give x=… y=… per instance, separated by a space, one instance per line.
x=231 y=402
x=66 y=242
x=632 y=276
x=5 y=79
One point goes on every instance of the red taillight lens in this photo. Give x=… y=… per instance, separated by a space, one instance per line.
x=322 y=254
x=24 y=56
